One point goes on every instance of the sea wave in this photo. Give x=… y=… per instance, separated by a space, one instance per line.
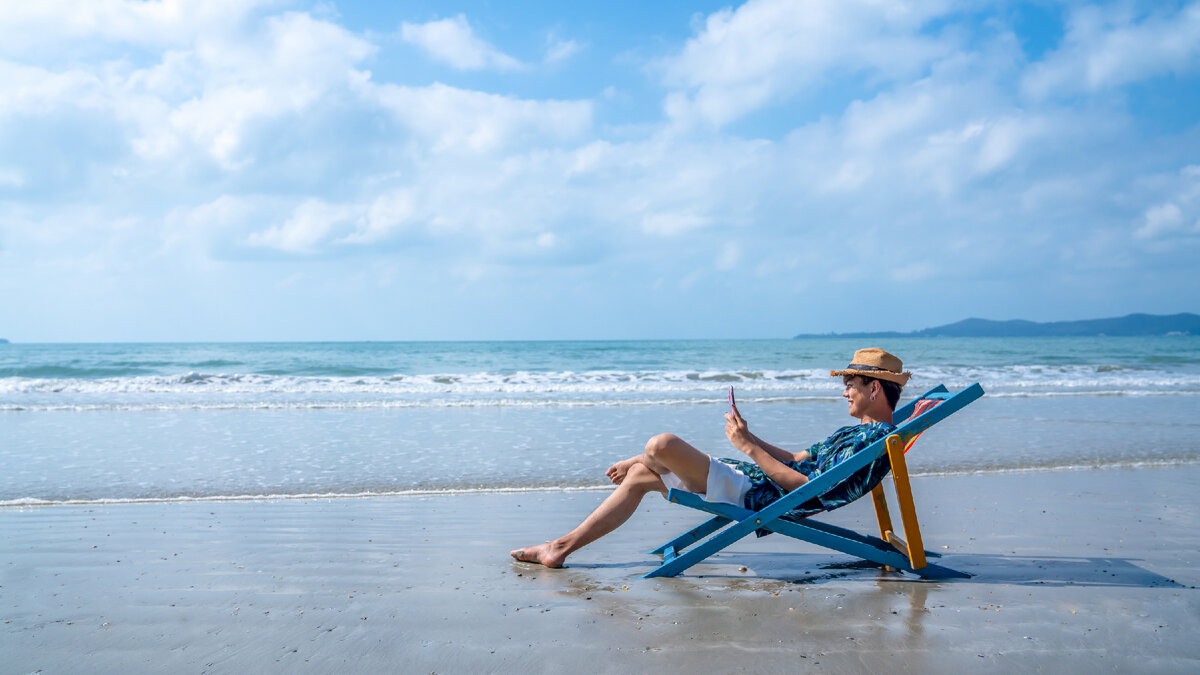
x=516 y=382
x=505 y=402
x=1010 y=379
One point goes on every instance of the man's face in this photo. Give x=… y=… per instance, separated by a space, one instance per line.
x=858 y=394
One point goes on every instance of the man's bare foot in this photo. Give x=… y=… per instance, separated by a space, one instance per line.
x=617 y=472
x=546 y=554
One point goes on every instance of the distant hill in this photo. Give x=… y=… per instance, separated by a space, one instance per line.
x=1125 y=326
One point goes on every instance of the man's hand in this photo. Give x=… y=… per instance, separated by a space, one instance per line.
x=737 y=431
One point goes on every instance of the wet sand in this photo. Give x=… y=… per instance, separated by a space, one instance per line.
x=1074 y=571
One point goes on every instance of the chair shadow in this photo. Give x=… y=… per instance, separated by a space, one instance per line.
x=1017 y=570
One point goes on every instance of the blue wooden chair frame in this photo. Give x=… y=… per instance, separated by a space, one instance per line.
x=891 y=550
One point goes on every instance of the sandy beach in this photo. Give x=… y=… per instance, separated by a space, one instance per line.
x=1074 y=571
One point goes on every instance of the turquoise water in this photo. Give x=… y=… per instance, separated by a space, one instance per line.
x=166 y=421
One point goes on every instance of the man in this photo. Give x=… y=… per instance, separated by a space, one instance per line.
x=872 y=385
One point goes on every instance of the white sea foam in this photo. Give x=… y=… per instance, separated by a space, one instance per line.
x=518 y=382
x=509 y=402
x=1016 y=378
x=31 y=502
x=401 y=404
x=1098 y=466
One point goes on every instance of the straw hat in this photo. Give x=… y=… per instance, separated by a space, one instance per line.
x=876 y=363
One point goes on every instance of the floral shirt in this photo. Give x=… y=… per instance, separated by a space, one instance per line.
x=843 y=444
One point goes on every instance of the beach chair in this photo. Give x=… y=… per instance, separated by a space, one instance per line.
x=731 y=523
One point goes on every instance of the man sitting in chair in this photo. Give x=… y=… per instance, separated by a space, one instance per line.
x=873 y=382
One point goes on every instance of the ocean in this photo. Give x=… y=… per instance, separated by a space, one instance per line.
x=83 y=423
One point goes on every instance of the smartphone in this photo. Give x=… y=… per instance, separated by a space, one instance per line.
x=731 y=402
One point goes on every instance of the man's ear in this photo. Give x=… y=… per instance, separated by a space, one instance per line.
x=876 y=388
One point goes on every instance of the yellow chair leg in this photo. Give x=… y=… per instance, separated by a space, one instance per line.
x=881 y=511
x=884 y=518
x=908 y=512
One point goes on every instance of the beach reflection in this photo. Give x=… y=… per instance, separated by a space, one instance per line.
x=892 y=608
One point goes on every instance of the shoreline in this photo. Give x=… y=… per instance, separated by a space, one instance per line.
x=1072 y=571
x=33 y=502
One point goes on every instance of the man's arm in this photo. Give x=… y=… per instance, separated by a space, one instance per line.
x=778 y=452
x=768 y=460
x=784 y=476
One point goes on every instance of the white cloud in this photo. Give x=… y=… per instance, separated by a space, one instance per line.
x=1177 y=218
x=387 y=213
x=765 y=50
x=560 y=50
x=590 y=157
x=935 y=136
x=310 y=224
x=495 y=175
x=211 y=230
x=453 y=42
x=223 y=212
x=849 y=176
x=461 y=120
x=1159 y=220
x=1109 y=46
x=208 y=95
x=298 y=62
x=32 y=25
x=31 y=89
x=1005 y=139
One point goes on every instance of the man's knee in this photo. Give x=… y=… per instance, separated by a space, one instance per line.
x=639 y=472
x=656 y=445
x=642 y=479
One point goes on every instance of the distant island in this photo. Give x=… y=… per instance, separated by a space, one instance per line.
x=3 y=341
x=1125 y=326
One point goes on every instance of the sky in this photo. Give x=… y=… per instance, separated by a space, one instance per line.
x=232 y=170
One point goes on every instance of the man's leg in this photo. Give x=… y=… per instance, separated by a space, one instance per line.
x=611 y=513
x=635 y=477
x=669 y=453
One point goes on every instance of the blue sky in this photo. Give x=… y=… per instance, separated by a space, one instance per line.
x=273 y=170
